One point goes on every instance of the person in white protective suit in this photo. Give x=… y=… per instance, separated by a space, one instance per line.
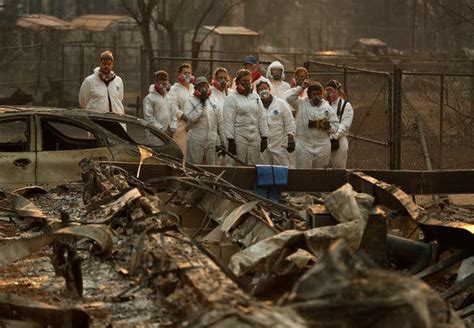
x=157 y=108
x=204 y=122
x=281 y=127
x=300 y=75
x=337 y=98
x=179 y=94
x=102 y=91
x=317 y=121
x=276 y=75
x=250 y=63
x=245 y=123
x=219 y=91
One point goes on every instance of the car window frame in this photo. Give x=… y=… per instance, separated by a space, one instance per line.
x=30 y=138
x=66 y=120
x=161 y=135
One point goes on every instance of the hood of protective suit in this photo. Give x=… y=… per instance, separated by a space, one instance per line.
x=275 y=64
x=259 y=80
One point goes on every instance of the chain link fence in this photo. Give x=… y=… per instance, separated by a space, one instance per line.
x=436 y=109
x=370 y=95
x=437 y=121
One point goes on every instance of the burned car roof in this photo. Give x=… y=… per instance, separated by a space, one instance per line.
x=61 y=111
x=74 y=112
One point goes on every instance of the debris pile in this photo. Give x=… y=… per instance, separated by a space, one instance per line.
x=193 y=250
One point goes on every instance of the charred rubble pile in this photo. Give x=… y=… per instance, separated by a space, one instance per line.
x=197 y=251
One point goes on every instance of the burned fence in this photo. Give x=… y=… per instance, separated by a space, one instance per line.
x=437 y=120
x=370 y=93
x=409 y=119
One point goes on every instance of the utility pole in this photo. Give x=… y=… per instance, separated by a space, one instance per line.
x=413 y=31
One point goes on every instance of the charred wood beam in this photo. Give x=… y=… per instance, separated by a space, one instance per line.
x=13 y=307
x=443 y=264
x=320 y=180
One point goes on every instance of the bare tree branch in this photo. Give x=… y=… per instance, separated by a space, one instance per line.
x=454 y=13
x=202 y=18
x=222 y=18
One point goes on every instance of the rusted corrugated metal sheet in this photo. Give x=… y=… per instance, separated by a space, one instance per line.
x=96 y=22
x=40 y=21
x=232 y=30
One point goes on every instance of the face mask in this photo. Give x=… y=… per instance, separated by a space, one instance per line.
x=316 y=100
x=223 y=83
x=247 y=86
x=203 y=92
x=264 y=94
x=332 y=97
x=188 y=78
x=108 y=76
x=277 y=75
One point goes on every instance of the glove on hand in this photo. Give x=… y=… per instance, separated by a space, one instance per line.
x=324 y=124
x=291 y=145
x=232 y=147
x=263 y=144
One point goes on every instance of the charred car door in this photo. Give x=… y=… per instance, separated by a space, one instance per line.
x=17 y=152
x=62 y=143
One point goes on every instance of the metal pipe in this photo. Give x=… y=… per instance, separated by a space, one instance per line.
x=415 y=254
x=441 y=125
x=234 y=157
x=341 y=66
x=377 y=142
x=424 y=147
x=437 y=74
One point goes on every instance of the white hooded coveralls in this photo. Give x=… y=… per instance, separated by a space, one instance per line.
x=280 y=123
x=218 y=98
x=179 y=95
x=339 y=157
x=313 y=148
x=94 y=94
x=245 y=122
x=204 y=123
x=158 y=111
x=278 y=87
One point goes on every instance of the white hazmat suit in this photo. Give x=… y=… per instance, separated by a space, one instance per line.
x=278 y=87
x=313 y=147
x=280 y=123
x=218 y=98
x=96 y=95
x=245 y=122
x=158 y=110
x=179 y=95
x=204 y=123
x=339 y=157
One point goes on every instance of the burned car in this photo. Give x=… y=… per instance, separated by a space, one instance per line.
x=43 y=146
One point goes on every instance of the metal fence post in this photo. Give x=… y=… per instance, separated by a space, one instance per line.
x=472 y=88
x=441 y=125
x=143 y=72
x=211 y=62
x=389 y=110
x=63 y=74
x=81 y=63
x=396 y=118
x=345 y=79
